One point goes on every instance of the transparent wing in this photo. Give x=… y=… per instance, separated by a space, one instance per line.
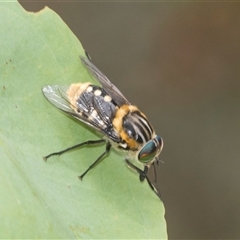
x=56 y=95
x=111 y=89
x=53 y=96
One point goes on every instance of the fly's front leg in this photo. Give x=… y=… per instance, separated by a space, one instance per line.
x=143 y=175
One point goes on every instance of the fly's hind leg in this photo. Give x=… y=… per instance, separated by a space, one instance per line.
x=90 y=142
x=108 y=146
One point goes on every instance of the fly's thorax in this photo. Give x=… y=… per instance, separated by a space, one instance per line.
x=133 y=128
x=74 y=92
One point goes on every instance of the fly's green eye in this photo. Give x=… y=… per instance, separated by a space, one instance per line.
x=150 y=150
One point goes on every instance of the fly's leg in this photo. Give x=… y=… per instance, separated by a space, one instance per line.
x=154 y=171
x=108 y=146
x=90 y=142
x=143 y=175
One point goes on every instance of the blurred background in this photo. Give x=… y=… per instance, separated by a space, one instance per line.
x=180 y=63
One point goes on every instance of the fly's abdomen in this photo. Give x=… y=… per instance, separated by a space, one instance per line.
x=92 y=103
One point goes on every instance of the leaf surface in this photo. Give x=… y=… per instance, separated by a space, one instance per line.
x=47 y=200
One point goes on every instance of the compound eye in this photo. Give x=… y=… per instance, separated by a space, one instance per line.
x=148 y=152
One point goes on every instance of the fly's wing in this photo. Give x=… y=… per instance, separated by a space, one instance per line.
x=112 y=90
x=56 y=95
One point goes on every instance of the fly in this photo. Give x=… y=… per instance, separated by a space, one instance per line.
x=104 y=108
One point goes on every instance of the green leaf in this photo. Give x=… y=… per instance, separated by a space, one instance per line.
x=47 y=200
